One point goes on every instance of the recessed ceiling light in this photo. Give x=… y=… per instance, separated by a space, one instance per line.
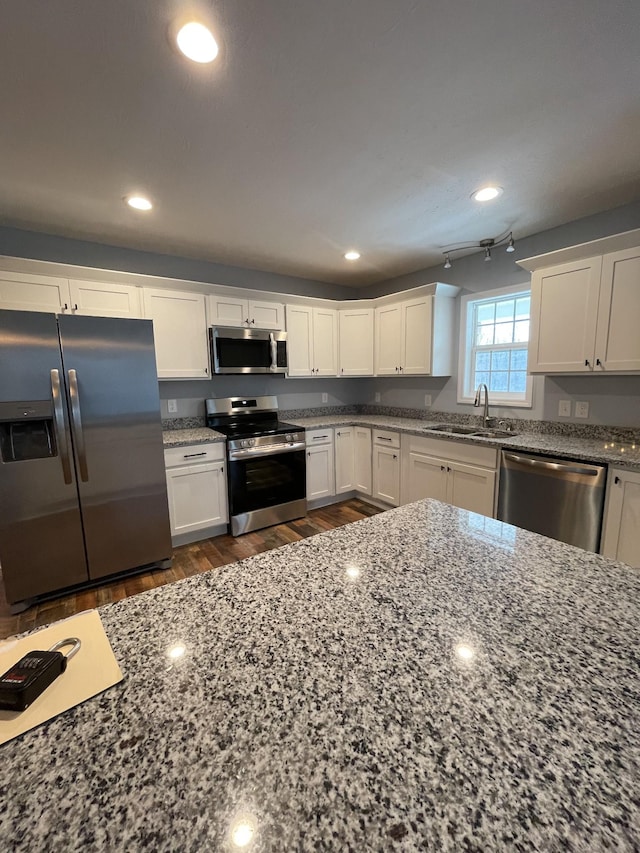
x=352 y=255
x=197 y=42
x=139 y=202
x=486 y=193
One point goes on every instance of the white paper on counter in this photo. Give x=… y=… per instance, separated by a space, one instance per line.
x=89 y=672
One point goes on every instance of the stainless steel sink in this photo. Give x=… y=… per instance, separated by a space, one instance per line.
x=453 y=428
x=493 y=433
x=473 y=432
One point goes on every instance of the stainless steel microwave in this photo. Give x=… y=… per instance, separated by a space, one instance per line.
x=247 y=350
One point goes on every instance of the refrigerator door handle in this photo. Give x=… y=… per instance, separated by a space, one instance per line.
x=62 y=437
x=76 y=418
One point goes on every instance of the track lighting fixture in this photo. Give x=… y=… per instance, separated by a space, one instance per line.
x=487 y=245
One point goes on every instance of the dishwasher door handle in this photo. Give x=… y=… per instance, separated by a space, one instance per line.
x=560 y=467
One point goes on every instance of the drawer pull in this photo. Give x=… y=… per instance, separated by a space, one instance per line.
x=192 y=455
x=319 y=437
x=383 y=438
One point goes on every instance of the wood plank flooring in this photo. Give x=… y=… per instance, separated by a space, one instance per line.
x=187 y=560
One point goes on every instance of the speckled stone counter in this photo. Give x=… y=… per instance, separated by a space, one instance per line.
x=196 y=435
x=426 y=679
x=625 y=454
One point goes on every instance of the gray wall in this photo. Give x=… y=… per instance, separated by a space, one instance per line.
x=64 y=250
x=613 y=400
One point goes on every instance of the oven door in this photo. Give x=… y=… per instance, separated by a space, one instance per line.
x=266 y=488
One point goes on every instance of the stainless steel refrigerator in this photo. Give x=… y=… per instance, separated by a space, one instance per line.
x=82 y=482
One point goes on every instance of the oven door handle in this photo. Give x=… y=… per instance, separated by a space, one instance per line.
x=257 y=452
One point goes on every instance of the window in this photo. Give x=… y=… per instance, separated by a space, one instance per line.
x=494 y=335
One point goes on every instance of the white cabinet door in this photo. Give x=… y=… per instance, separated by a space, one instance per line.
x=101 y=299
x=320 y=472
x=26 y=292
x=388 y=322
x=470 y=487
x=386 y=474
x=344 y=456
x=426 y=478
x=618 y=332
x=180 y=331
x=356 y=342
x=564 y=311
x=622 y=518
x=416 y=336
x=197 y=497
x=325 y=342
x=228 y=311
x=266 y=315
x=362 y=459
x=299 y=340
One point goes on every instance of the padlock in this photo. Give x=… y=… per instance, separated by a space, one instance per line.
x=33 y=673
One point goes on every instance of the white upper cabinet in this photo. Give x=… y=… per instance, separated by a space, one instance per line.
x=415 y=337
x=312 y=341
x=180 y=332
x=356 y=341
x=234 y=311
x=618 y=329
x=585 y=312
x=27 y=292
x=101 y=299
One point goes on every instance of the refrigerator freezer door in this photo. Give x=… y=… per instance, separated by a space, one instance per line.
x=41 y=544
x=111 y=381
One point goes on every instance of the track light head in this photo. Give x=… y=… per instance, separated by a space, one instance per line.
x=487 y=253
x=447 y=261
x=511 y=247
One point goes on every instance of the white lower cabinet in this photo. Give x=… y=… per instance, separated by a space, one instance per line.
x=455 y=472
x=320 y=464
x=345 y=461
x=386 y=466
x=362 y=460
x=622 y=517
x=196 y=487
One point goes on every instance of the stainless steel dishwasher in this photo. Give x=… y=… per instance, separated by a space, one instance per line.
x=560 y=498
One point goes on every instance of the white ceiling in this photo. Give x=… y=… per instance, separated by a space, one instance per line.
x=323 y=125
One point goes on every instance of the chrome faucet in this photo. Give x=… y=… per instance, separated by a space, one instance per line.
x=476 y=402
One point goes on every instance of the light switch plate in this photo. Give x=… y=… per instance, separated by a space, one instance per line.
x=172 y=406
x=427 y=399
x=325 y=398
x=582 y=409
x=564 y=408
x=377 y=396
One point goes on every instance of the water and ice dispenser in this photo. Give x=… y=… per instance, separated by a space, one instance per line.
x=26 y=431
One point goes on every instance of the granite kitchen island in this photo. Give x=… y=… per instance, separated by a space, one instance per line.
x=425 y=679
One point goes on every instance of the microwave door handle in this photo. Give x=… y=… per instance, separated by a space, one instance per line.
x=274 y=352
x=62 y=436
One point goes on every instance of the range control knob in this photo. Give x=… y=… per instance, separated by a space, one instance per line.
x=289 y=437
x=252 y=442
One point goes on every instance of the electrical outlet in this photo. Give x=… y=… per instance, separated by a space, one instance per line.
x=582 y=409
x=172 y=406
x=564 y=408
x=325 y=398
x=377 y=396
x=427 y=399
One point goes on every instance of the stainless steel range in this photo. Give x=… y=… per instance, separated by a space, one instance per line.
x=266 y=467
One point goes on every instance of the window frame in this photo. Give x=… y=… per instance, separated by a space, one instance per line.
x=466 y=346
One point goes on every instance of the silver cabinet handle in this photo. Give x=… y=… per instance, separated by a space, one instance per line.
x=62 y=436
x=568 y=467
x=76 y=417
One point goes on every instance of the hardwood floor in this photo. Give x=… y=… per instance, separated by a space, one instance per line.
x=187 y=560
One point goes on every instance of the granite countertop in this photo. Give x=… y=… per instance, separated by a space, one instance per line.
x=195 y=435
x=613 y=451
x=425 y=679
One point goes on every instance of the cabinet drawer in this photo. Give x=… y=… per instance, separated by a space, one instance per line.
x=193 y=454
x=385 y=438
x=319 y=436
x=457 y=451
